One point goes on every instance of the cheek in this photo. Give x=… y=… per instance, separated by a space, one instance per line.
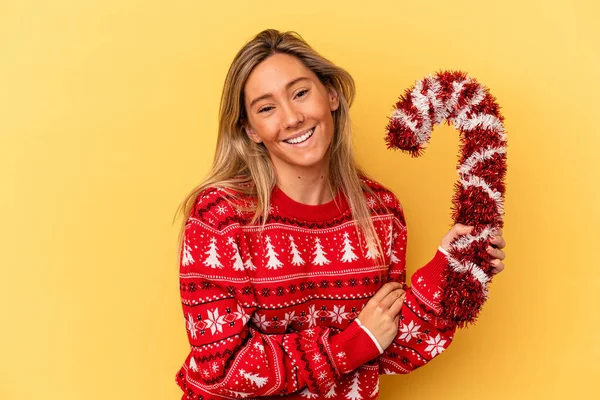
x=266 y=130
x=327 y=114
x=329 y=122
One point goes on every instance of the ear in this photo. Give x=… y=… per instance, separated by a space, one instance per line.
x=251 y=133
x=334 y=99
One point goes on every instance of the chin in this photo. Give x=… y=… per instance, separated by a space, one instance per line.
x=311 y=163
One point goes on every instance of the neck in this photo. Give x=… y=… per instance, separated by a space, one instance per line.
x=309 y=186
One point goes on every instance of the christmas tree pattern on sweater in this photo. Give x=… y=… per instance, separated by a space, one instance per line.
x=273 y=313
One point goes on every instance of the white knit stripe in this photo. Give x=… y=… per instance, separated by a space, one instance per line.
x=421 y=102
x=472 y=102
x=279 y=377
x=478 y=157
x=474 y=180
x=285 y=278
x=190 y=380
x=230 y=373
x=465 y=241
x=423 y=298
x=397 y=366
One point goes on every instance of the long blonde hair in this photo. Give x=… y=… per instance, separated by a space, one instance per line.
x=245 y=167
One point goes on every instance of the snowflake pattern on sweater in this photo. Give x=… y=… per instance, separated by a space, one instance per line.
x=272 y=314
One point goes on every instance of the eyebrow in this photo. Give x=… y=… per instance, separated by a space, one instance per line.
x=267 y=95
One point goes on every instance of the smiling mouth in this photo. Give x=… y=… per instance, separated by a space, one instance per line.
x=302 y=138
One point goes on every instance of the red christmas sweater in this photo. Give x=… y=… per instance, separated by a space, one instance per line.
x=275 y=315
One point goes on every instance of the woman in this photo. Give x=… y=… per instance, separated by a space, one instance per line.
x=292 y=266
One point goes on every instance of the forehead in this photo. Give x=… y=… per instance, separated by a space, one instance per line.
x=272 y=74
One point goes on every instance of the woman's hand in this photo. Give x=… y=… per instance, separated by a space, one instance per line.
x=496 y=243
x=382 y=312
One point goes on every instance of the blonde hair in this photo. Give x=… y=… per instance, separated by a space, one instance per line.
x=245 y=167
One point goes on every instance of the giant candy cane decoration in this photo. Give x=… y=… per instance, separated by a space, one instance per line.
x=479 y=193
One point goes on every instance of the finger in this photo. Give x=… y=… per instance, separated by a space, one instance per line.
x=385 y=290
x=498 y=241
x=498 y=269
x=498 y=265
x=496 y=253
x=462 y=229
x=391 y=298
x=397 y=305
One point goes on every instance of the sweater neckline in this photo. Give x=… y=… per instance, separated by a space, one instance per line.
x=307 y=212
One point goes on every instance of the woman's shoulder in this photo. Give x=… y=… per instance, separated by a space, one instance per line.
x=378 y=189
x=211 y=195
x=372 y=183
x=382 y=198
x=218 y=206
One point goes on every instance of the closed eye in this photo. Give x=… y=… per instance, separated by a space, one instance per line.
x=264 y=109
x=303 y=92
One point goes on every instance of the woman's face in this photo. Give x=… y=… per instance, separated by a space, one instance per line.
x=290 y=111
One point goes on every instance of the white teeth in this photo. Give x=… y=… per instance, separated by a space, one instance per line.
x=302 y=138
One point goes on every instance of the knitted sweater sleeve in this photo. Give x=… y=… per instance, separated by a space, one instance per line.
x=230 y=356
x=421 y=336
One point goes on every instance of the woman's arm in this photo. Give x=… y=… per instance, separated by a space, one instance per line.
x=422 y=336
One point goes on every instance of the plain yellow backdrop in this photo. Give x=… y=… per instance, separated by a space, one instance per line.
x=108 y=117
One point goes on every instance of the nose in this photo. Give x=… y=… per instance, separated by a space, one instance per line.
x=292 y=117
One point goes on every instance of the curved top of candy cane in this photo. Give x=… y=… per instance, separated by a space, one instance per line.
x=446 y=95
x=469 y=106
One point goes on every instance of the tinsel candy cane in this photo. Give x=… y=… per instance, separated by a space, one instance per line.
x=478 y=200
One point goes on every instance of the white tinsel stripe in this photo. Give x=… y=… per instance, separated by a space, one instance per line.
x=453 y=100
x=476 y=181
x=465 y=241
x=479 y=156
x=473 y=269
x=472 y=102
x=421 y=102
x=400 y=115
x=487 y=121
x=433 y=93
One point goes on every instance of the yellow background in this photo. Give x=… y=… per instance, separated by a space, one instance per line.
x=108 y=117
